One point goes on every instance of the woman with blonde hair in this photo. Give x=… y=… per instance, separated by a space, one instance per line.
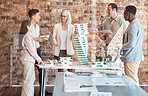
x=63 y=35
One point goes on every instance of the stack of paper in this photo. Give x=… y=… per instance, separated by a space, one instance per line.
x=81 y=43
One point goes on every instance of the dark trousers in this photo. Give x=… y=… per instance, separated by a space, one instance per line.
x=63 y=53
x=40 y=70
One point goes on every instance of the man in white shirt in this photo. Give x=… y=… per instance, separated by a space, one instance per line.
x=35 y=18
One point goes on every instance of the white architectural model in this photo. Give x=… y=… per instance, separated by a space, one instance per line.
x=81 y=43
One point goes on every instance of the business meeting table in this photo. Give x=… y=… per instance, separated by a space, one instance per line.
x=101 y=81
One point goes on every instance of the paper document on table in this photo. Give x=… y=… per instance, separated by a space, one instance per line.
x=111 y=81
x=101 y=94
x=106 y=31
x=44 y=36
x=80 y=88
x=115 y=45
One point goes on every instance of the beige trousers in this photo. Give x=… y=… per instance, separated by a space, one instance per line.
x=131 y=70
x=29 y=78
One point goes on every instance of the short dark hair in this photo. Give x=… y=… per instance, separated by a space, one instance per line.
x=24 y=29
x=114 y=6
x=32 y=12
x=130 y=8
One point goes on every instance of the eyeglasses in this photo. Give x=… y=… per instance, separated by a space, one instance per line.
x=63 y=16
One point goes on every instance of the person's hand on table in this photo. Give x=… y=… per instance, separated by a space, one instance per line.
x=41 y=63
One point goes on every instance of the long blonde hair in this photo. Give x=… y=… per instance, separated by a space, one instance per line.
x=67 y=12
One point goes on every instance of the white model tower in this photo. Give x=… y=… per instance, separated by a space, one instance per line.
x=81 y=43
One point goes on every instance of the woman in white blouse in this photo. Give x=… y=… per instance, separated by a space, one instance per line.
x=63 y=35
x=28 y=57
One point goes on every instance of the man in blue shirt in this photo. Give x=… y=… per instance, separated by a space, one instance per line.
x=132 y=53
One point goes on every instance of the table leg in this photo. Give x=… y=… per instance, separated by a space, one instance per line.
x=43 y=83
x=44 y=80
